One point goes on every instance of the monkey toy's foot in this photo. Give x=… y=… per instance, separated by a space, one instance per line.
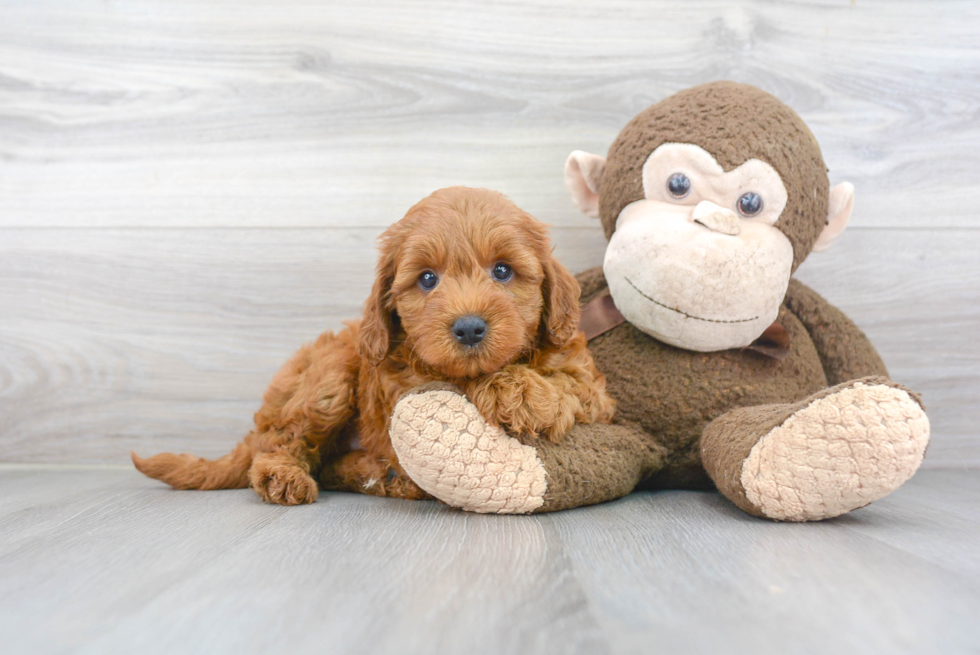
x=453 y=453
x=838 y=450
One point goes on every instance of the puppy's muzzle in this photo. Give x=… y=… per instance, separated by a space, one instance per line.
x=469 y=330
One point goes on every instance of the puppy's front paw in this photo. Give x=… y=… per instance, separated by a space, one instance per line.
x=277 y=478
x=525 y=404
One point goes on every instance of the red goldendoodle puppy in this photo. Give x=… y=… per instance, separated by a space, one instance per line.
x=466 y=292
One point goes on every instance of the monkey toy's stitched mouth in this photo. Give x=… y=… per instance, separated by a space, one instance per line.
x=683 y=313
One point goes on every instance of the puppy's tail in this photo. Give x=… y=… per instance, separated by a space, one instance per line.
x=189 y=472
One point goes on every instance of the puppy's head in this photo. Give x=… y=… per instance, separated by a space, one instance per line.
x=468 y=282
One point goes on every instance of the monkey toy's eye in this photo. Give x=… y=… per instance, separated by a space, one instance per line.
x=678 y=185
x=502 y=272
x=428 y=280
x=749 y=204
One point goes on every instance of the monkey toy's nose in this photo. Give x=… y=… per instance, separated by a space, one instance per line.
x=469 y=330
x=716 y=218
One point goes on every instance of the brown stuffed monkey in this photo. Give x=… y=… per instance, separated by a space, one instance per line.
x=726 y=371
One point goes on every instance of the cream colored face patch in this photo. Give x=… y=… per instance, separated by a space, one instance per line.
x=691 y=270
x=839 y=453
x=693 y=287
x=709 y=181
x=451 y=452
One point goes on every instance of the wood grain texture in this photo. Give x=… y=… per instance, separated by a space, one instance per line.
x=235 y=112
x=109 y=562
x=189 y=190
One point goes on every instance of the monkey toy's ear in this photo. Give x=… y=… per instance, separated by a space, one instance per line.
x=838 y=214
x=583 y=172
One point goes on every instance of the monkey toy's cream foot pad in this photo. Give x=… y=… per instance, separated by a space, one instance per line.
x=451 y=452
x=836 y=454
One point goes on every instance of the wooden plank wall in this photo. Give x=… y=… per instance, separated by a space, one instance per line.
x=189 y=190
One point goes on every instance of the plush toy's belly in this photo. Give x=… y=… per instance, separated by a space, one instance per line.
x=672 y=394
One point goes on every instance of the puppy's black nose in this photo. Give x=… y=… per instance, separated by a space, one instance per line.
x=469 y=330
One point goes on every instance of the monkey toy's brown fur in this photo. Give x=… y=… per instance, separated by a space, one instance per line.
x=807 y=437
x=531 y=374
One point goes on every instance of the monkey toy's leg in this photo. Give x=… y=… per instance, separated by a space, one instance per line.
x=451 y=452
x=836 y=451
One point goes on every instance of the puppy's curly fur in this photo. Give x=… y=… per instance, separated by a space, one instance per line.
x=531 y=373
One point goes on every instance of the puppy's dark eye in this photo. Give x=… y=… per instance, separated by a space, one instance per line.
x=749 y=204
x=679 y=185
x=428 y=280
x=502 y=272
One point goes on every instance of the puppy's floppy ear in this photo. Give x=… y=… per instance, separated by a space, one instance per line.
x=378 y=326
x=561 y=307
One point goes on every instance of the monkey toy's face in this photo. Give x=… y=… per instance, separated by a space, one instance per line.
x=710 y=199
x=697 y=262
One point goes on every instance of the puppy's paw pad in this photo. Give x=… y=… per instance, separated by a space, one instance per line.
x=451 y=452
x=837 y=454
x=284 y=485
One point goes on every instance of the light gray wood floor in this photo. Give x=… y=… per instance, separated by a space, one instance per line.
x=105 y=561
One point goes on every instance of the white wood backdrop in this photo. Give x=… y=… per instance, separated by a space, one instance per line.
x=189 y=190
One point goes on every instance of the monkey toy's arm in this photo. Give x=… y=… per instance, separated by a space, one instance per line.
x=846 y=354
